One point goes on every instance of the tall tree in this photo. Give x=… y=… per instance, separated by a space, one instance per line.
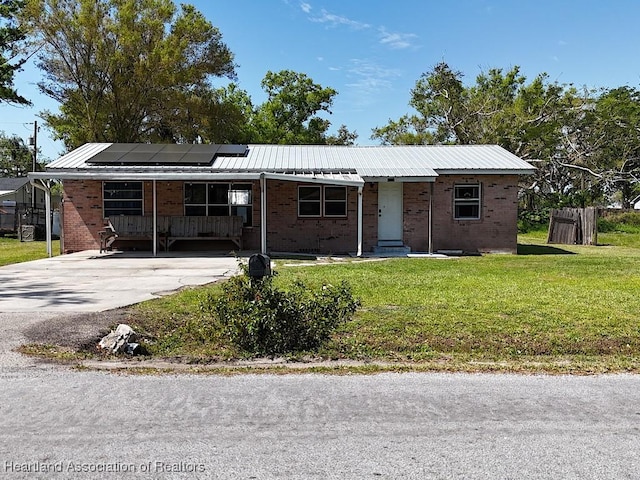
x=16 y=158
x=230 y=116
x=123 y=70
x=606 y=143
x=290 y=113
x=529 y=118
x=11 y=34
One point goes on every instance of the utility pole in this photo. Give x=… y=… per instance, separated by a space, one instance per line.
x=33 y=141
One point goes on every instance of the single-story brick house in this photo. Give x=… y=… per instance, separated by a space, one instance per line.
x=306 y=198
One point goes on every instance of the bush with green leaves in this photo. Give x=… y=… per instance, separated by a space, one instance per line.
x=261 y=319
x=619 y=222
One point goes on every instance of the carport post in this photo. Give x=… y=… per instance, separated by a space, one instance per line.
x=40 y=185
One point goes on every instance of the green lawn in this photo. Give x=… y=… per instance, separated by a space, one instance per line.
x=550 y=308
x=13 y=250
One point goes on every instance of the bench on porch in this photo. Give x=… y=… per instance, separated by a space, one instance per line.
x=133 y=228
x=205 y=228
x=171 y=229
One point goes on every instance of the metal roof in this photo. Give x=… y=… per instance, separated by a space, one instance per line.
x=11 y=184
x=349 y=163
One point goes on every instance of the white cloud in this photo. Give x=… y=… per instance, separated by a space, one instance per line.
x=336 y=20
x=306 y=8
x=397 y=40
x=368 y=80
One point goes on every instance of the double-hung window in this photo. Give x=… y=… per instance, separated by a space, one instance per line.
x=122 y=198
x=219 y=199
x=317 y=201
x=310 y=201
x=466 y=202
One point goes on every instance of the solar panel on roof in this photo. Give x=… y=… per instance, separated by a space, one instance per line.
x=164 y=154
x=148 y=148
x=233 y=150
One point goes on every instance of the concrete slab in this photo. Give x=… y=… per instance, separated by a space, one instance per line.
x=92 y=282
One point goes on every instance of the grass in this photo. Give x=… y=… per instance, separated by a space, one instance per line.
x=552 y=308
x=13 y=250
x=548 y=309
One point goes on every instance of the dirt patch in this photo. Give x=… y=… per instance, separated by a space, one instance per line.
x=78 y=331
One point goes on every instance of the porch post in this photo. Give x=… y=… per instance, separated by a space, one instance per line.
x=263 y=214
x=430 y=217
x=40 y=185
x=359 y=252
x=155 y=221
x=47 y=209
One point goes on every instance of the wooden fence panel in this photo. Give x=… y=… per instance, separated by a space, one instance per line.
x=573 y=226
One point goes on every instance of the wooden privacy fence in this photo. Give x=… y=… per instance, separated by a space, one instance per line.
x=573 y=226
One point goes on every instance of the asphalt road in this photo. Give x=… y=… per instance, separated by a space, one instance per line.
x=59 y=423
x=99 y=425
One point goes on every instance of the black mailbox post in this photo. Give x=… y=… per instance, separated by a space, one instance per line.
x=259 y=266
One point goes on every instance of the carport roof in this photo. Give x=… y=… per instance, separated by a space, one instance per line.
x=348 y=164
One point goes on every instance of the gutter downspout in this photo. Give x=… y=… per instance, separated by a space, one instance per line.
x=359 y=251
x=47 y=202
x=263 y=213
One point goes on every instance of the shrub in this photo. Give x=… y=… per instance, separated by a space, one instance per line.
x=263 y=320
x=619 y=222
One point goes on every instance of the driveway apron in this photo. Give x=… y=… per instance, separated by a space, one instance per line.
x=92 y=282
x=87 y=282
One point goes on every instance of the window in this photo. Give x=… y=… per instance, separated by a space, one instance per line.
x=309 y=201
x=122 y=198
x=219 y=199
x=314 y=201
x=335 y=201
x=466 y=202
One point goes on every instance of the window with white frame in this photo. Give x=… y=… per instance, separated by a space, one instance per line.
x=316 y=201
x=310 y=201
x=122 y=198
x=466 y=202
x=335 y=201
x=219 y=199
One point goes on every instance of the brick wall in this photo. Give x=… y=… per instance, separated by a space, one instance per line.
x=286 y=232
x=82 y=215
x=496 y=230
x=415 y=206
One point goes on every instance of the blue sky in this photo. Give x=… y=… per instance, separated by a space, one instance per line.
x=372 y=52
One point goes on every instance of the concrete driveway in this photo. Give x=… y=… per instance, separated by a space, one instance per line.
x=92 y=282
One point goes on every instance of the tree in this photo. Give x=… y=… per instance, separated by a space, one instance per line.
x=124 y=70
x=604 y=144
x=530 y=119
x=11 y=34
x=289 y=115
x=229 y=116
x=342 y=137
x=441 y=102
x=16 y=159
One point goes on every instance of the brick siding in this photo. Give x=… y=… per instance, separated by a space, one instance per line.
x=496 y=230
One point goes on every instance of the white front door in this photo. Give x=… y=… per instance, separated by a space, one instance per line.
x=390 y=212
